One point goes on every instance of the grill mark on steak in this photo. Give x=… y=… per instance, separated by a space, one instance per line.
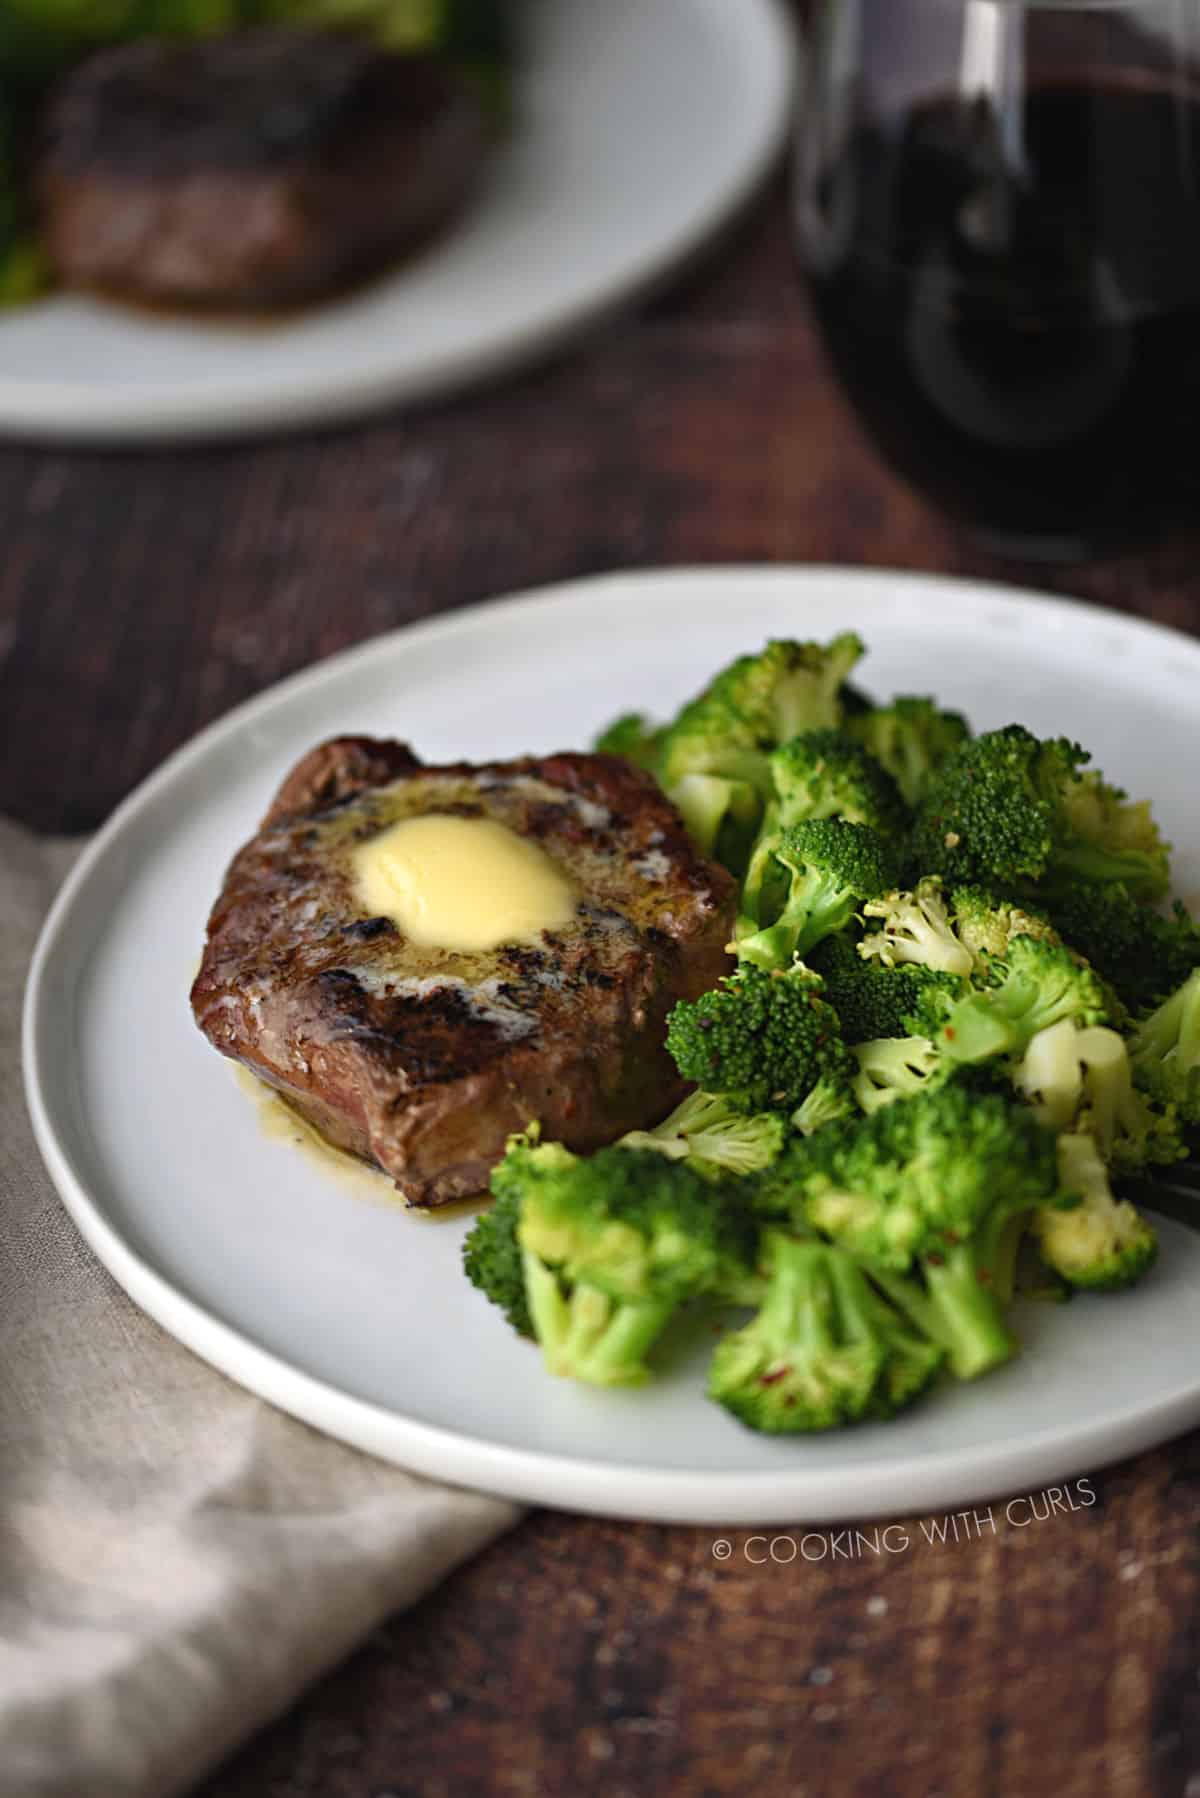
x=426 y=1060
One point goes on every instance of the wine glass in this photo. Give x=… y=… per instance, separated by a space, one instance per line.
x=998 y=212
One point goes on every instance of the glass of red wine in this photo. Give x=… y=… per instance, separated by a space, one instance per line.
x=998 y=213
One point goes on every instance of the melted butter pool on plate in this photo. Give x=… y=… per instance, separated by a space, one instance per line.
x=282 y=1123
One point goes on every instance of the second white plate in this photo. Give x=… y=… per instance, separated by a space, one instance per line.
x=639 y=127
x=354 y=1314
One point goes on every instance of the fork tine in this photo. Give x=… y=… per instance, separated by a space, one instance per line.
x=1182 y=1203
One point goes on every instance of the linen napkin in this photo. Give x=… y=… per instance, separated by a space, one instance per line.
x=177 y=1559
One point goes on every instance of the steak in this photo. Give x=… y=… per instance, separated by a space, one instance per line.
x=425 y=1060
x=260 y=168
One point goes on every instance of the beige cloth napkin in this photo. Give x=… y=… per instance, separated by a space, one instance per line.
x=177 y=1559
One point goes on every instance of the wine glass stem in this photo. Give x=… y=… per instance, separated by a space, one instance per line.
x=992 y=68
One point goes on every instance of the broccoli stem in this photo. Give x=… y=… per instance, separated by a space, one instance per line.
x=590 y=1336
x=957 y=1308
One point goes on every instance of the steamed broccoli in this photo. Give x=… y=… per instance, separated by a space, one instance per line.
x=492 y=1259
x=821 y=774
x=830 y=867
x=1165 y=1050
x=916 y=928
x=910 y=738
x=768 y=1040
x=611 y=1245
x=1144 y=955
x=714 y=1135
x=987 y=924
x=824 y=1348
x=930 y=1195
x=872 y=1000
x=1081 y=1079
x=1007 y=808
x=1037 y=984
x=826 y=774
x=728 y=732
x=1100 y=1242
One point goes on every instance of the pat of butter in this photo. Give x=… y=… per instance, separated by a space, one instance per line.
x=461 y=883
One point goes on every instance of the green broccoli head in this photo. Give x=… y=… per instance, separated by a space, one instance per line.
x=873 y=1000
x=1100 y=1242
x=824 y=1348
x=766 y=1039
x=611 y=1245
x=1009 y=808
x=916 y=927
x=1144 y=956
x=911 y=739
x=930 y=1195
x=753 y=706
x=986 y=924
x=1081 y=1079
x=1037 y=984
x=826 y=774
x=714 y=1136
x=1165 y=1051
x=830 y=868
x=492 y=1260
x=722 y=817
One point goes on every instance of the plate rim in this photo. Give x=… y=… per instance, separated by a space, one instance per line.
x=228 y=409
x=615 y=1489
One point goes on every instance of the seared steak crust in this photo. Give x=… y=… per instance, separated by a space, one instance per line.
x=254 y=169
x=425 y=1060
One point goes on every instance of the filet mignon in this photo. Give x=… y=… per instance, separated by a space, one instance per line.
x=256 y=169
x=425 y=1060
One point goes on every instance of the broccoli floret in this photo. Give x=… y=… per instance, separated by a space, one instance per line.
x=746 y=712
x=1101 y=1242
x=722 y=816
x=916 y=927
x=1144 y=955
x=871 y=1000
x=1007 y=808
x=987 y=924
x=1081 y=1079
x=492 y=1260
x=892 y=1068
x=633 y=736
x=766 y=1040
x=824 y=1349
x=714 y=1135
x=611 y=1245
x=1165 y=1051
x=831 y=867
x=826 y=774
x=910 y=738
x=829 y=1101
x=930 y=1196
x=1036 y=985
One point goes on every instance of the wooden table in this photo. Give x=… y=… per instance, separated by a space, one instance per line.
x=141 y=596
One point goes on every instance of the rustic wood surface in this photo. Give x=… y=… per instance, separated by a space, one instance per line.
x=140 y=597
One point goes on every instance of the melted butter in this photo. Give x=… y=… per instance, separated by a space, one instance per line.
x=282 y=1123
x=461 y=883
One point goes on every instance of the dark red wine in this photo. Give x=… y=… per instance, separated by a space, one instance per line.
x=1019 y=324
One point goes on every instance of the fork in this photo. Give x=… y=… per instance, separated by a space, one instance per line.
x=1175 y=1191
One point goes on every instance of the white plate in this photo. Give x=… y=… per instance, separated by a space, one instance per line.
x=640 y=127
x=355 y=1315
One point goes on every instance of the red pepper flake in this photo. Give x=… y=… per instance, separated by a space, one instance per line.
x=770 y=1379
